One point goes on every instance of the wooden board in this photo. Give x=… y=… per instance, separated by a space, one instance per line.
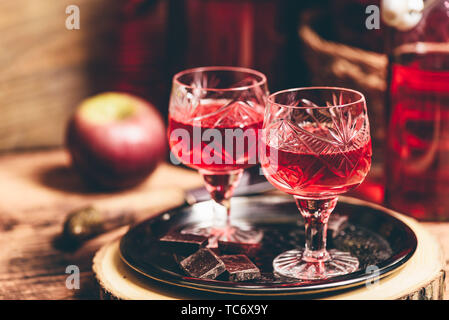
x=421 y=278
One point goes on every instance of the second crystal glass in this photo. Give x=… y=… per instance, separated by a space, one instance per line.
x=316 y=145
x=215 y=116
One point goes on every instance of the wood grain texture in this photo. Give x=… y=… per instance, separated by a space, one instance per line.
x=47 y=69
x=38 y=189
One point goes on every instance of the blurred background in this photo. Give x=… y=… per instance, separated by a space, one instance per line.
x=137 y=45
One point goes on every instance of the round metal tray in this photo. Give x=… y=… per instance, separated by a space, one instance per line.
x=381 y=242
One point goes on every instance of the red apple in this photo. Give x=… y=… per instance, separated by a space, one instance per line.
x=116 y=140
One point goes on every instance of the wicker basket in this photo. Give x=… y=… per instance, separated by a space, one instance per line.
x=335 y=64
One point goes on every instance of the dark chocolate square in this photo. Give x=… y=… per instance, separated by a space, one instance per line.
x=240 y=268
x=183 y=243
x=203 y=264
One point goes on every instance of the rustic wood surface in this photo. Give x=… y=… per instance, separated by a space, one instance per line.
x=38 y=189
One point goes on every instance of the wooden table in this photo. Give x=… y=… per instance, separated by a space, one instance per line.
x=38 y=189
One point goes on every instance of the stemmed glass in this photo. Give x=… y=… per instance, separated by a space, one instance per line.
x=315 y=145
x=215 y=116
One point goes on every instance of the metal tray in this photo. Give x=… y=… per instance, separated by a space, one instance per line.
x=381 y=242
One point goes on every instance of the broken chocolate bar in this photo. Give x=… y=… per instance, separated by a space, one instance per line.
x=203 y=264
x=240 y=268
x=183 y=243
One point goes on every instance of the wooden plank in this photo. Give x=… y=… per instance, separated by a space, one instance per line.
x=37 y=191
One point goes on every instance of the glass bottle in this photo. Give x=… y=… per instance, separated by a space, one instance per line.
x=417 y=164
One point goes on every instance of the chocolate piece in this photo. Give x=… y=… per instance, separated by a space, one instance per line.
x=240 y=268
x=203 y=264
x=183 y=243
x=229 y=247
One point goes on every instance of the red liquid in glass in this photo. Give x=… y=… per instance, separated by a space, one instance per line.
x=298 y=171
x=234 y=144
x=418 y=137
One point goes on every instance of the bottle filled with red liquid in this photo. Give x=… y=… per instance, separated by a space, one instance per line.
x=417 y=166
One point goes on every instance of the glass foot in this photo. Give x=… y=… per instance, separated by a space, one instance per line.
x=291 y=264
x=244 y=234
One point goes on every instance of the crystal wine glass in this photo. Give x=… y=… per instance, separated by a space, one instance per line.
x=315 y=146
x=215 y=116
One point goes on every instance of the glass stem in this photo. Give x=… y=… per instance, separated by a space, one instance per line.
x=316 y=215
x=221 y=188
x=218 y=209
